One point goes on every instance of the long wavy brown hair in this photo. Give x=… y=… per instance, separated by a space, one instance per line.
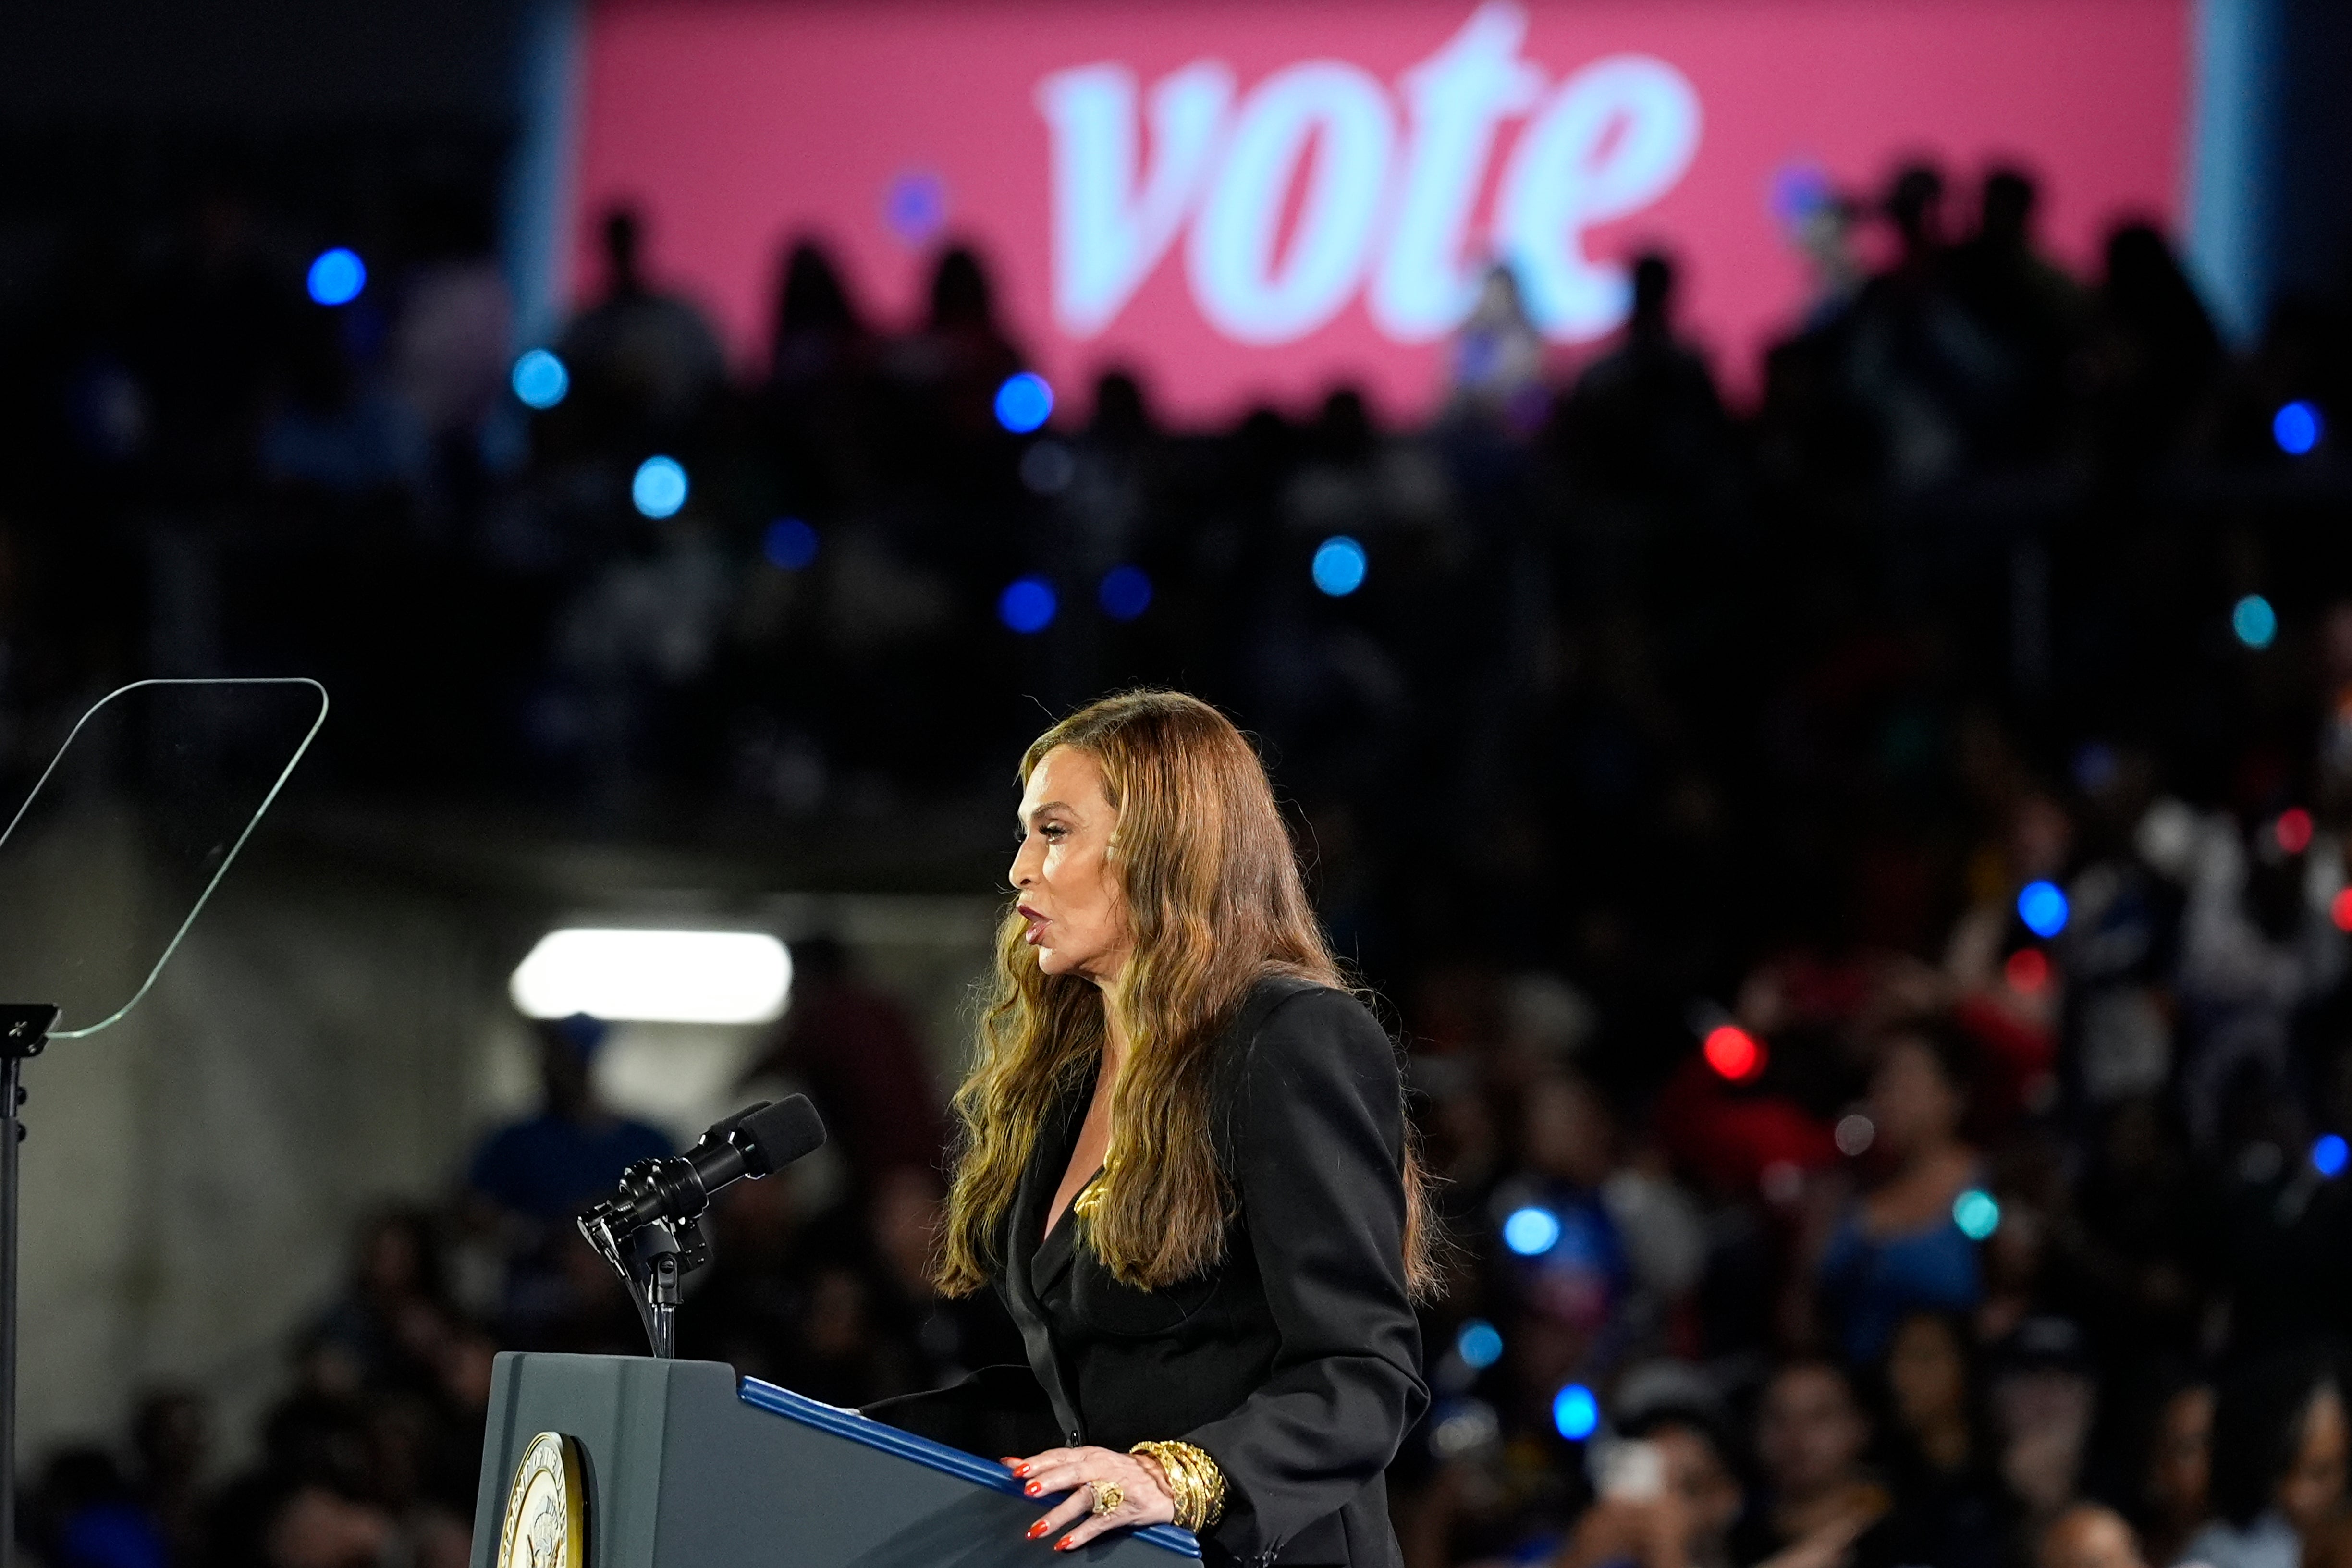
x=1213 y=902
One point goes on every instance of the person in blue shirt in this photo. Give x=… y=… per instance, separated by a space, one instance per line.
x=549 y=1166
x=530 y=1179
x=1897 y=1249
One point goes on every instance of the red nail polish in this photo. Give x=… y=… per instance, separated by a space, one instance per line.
x=1033 y=1489
x=1036 y=1530
x=1064 y=1544
x=1019 y=1470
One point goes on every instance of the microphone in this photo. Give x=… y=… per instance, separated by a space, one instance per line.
x=755 y=1142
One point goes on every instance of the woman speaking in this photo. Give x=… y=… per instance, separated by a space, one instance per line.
x=1184 y=1166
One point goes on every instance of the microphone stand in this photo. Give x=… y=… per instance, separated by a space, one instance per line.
x=650 y=1231
x=24 y=1031
x=653 y=1261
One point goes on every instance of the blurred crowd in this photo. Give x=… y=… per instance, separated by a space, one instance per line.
x=1861 y=879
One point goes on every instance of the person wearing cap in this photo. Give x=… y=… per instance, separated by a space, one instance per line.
x=2044 y=1399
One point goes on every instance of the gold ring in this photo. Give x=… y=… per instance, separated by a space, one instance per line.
x=1107 y=1497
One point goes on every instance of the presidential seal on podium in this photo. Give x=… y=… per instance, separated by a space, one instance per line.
x=546 y=1508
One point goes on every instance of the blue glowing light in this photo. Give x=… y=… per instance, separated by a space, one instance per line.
x=1125 y=594
x=916 y=206
x=1339 y=565
x=1023 y=403
x=659 y=488
x=2255 y=622
x=337 y=277
x=789 y=544
x=1479 y=1344
x=1530 y=1231
x=1800 y=191
x=2296 y=428
x=1575 y=1411
x=2329 y=1155
x=1976 y=1214
x=2042 y=907
x=539 y=379
x=1028 y=605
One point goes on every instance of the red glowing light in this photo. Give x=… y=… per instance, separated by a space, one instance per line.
x=2027 y=971
x=1734 y=1052
x=2293 y=830
x=2340 y=911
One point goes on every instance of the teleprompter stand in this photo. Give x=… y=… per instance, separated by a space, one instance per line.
x=24 y=1031
x=187 y=767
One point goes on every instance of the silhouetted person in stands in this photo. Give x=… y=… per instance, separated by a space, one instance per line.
x=2031 y=308
x=1644 y=420
x=1819 y=1504
x=861 y=1058
x=1643 y=440
x=818 y=404
x=1104 y=514
x=748 y=1304
x=387 y=1327
x=644 y=364
x=1122 y=418
x=2155 y=354
x=961 y=356
x=1949 y=1508
x=1913 y=204
x=818 y=333
x=170 y=1436
x=1343 y=434
x=1934 y=376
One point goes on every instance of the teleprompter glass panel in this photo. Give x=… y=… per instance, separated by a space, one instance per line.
x=126 y=833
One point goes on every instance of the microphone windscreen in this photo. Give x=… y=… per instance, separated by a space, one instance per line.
x=781 y=1133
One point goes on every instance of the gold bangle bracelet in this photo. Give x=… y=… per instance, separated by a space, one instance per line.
x=1195 y=1484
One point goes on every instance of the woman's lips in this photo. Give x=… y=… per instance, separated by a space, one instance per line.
x=1037 y=924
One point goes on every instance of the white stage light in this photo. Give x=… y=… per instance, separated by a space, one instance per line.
x=656 y=976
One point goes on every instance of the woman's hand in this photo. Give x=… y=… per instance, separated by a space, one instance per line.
x=1144 y=1498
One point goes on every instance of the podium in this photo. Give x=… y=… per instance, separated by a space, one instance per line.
x=680 y=1464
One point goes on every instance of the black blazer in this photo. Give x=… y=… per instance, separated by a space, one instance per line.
x=1296 y=1361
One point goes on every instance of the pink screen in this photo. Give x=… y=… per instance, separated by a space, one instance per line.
x=1256 y=201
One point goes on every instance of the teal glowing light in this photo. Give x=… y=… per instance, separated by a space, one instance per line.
x=1976 y=1214
x=2253 y=621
